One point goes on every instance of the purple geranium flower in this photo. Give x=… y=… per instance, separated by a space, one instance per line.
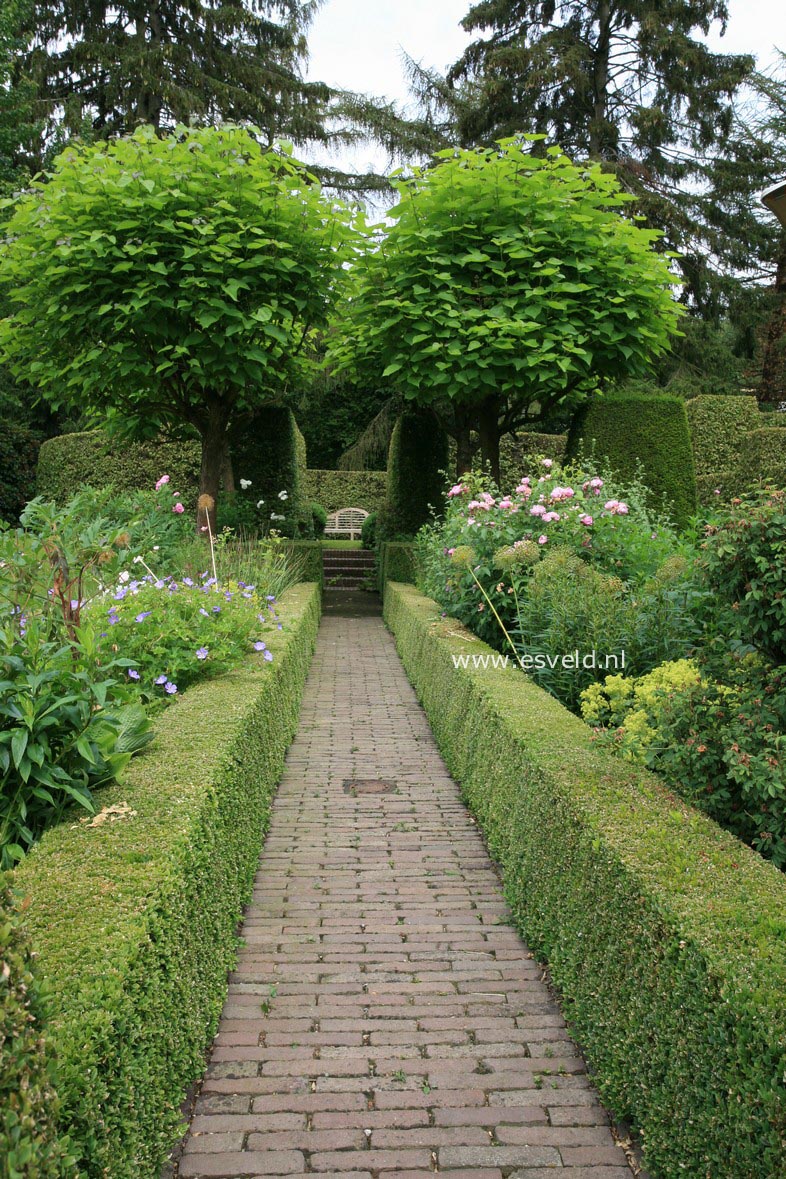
x=162 y=679
x=203 y=611
x=133 y=675
x=202 y=653
x=268 y=656
x=170 y=688
x=141 y=617
x=260 y=646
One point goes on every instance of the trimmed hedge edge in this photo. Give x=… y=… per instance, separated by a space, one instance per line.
x=134 y=922
x=665 y=935
x=397 y=562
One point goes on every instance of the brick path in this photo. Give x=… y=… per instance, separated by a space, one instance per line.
x=384 y=1016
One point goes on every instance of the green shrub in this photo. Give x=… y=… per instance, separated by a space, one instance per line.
x=18 y=460
x=648 y=432
x=29 y=1107
x=716 y=487
x=347 y=489
x=761 y=459
x=628 y=709
x=519 y=454
x=268 y=451
x=665 y=935
x=569 y=561
x=305 y=557
x=717 y=423
x=416 y=473
x=134 y=920
x=745 y=566
x=569 y=606
x=72 y=461
x=319 y=517
x=66 y=729
x=396 y=562
x=368 y=533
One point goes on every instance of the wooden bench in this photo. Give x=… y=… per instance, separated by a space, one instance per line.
x=346 y=521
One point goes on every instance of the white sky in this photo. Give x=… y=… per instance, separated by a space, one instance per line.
x=357 y=44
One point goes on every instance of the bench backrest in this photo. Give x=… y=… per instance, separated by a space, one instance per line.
x=346 y=520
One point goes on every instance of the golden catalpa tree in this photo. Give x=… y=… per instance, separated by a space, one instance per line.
x=173 y=281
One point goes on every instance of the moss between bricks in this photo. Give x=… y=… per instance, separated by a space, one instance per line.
x=134 y=922
x=666 y=936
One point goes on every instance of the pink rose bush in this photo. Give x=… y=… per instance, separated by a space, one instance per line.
x=579 y=556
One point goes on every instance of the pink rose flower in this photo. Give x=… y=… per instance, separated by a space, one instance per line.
x=586 y=520
x=164 y=479
x=178 y=508
x=543 y=540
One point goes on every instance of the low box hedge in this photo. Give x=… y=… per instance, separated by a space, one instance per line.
x=134 y=921
x=29 y=1141
x=665 y=935
x=306 y=558
x=396 y=562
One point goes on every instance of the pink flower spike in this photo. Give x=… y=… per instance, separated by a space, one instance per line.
x=178 y=508
x=164 y=479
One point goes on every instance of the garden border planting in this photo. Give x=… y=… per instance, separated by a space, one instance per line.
x=133 y=919
x=665 y=934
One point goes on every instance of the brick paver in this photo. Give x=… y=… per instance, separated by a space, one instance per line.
x=384 y=1016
